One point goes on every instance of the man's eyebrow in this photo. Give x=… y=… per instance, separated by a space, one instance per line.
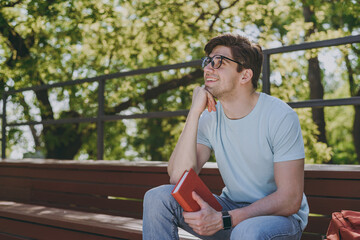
x=217 y=55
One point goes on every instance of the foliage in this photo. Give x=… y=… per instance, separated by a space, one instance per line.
x=45 y=42
x=290 y=87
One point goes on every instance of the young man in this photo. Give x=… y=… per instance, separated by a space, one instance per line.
x=258 y=146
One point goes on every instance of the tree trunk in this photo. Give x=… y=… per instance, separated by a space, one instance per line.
x=317 y=92
x=26 y=112
x=356 y=124
x=314 y=78
x=356 y=130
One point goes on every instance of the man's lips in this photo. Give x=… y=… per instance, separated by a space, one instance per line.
x=211 y=79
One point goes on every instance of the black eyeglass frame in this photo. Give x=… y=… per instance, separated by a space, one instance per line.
x=205 y=59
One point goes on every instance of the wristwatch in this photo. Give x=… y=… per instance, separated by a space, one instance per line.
x=226 y=220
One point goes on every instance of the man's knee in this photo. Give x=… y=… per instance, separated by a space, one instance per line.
x=244 y=231
x=159 y=195
x=267 y=227
x=252 y=228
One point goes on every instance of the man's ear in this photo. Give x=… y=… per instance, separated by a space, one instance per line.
x=247 y=75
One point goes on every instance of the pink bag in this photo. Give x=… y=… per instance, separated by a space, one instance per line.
x=344 y=225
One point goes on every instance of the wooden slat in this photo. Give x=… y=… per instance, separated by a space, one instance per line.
x=100 y=176
x=311 y=170
x=326 y=206
x=333 y=187
x=323 y=174
x=5 y=236
x=75 y=221
x=118 y=190
x=307 y=236
x=40 y=232
x=87 y=203
x=150 y=180
x=127 y=191
x=127 y=166
x=54 y=179
x=15 y=193
x=14 y=181
x=99 y=224
x=144 y=166
x=214 y=182
x=317 y=225
x=133 y=178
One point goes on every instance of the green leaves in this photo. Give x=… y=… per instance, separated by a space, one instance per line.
x=67 y=40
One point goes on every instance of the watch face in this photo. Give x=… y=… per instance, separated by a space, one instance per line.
x=226 y=220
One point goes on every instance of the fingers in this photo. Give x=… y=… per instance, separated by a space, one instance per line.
x=195 y=221
x=201 y=99
x=199 y=200
x=211 y=102
x=207 y=221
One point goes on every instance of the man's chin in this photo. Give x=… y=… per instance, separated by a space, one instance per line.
x=210 y=90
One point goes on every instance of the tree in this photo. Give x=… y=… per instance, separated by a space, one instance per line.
x=343 y=15
x=314 y=73
x=52 y=41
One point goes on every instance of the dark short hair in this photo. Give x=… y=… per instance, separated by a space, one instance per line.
x=247 y=53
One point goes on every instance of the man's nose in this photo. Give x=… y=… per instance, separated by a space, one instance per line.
x=208 y=68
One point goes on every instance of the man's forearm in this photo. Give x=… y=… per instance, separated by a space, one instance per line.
x=285 y=201
x=273 y=204
x=184 y=155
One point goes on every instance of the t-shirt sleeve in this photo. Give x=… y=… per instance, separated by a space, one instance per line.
x=288 y=142
x=203 y=132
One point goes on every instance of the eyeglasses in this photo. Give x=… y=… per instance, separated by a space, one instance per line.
x=215 y=61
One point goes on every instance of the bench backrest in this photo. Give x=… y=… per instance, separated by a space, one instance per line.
x=118 y=188
x=108 y=188
x=330 y=188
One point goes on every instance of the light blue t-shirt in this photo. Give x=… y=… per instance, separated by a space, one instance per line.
x=246 y=148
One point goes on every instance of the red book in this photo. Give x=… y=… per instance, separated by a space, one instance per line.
x=188 y=183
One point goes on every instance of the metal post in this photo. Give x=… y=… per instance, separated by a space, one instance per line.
x=3 y=128
x=100 y=120
x=266 y=74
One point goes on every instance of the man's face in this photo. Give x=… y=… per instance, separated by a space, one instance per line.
x=224 y=80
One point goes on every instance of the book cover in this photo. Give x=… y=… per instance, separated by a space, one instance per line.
x=188 y=183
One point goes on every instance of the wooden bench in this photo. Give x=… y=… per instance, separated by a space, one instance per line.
x=48 y=199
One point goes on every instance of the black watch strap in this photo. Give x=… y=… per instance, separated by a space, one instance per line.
x=226 y=220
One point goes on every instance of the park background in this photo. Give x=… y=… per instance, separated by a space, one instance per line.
x=46 y=42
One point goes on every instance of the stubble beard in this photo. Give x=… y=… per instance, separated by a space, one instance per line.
x=212 y=91
x=216 y=92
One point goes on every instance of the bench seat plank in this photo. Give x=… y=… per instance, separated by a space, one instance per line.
x=100 y=224
x=5 y=236
x=68 y=224
x=44 y=232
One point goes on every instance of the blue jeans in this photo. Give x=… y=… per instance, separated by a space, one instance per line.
x=163 y=215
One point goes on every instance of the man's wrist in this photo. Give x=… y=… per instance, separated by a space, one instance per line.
x=195 y=112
